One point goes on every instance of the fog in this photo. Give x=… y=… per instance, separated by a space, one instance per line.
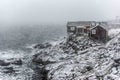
x=31 y=21
x=18 y=37
x=56 y=11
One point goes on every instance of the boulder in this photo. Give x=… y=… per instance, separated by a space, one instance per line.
x=3 y=63
x=9 y=70
x=42 y=46
x=86 y=69
x=37 y=61
x=17 y=62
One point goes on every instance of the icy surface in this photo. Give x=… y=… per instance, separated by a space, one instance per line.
x=113 y=32
x=80 y=59
x=14 y=65
x=83 y=59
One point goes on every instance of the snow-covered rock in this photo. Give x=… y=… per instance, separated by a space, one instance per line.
x=14 y=65
x=113 y=32
x=82 y=59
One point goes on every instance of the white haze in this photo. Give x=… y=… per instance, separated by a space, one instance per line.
x=56 y=11
x=31 y=21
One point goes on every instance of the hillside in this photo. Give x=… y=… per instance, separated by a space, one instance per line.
x=80 y=60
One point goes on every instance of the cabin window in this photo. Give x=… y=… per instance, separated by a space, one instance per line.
x=80 y=30
x=93 y=24
x=93 y=31
x=85 y=30
x=72 y=28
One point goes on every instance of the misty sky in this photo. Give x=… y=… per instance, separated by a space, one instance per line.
x=56 y=11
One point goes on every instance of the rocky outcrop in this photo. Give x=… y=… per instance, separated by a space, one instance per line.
x=42 y=46
x=3 y=63
x=8 y=70
x=17 y=62
x=82 y=59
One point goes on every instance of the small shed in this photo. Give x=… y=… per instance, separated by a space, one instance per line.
x=77 y=27
x=81 y=30
x=99 y=32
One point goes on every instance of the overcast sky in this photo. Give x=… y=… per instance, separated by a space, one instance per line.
x=56 y=11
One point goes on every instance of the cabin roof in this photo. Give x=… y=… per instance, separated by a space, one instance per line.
x=80 y=23
x=84 y=23
x=80 y=26
x=100 y=25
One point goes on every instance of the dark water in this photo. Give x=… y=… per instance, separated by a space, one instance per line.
x=19 y=65
x=16 y=37
x=13 y=41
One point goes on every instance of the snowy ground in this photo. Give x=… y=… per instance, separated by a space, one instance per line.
x=113 y=32
x=14 y=65
x=81 y=60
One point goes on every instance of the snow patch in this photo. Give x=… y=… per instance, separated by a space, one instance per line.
x=113 y=32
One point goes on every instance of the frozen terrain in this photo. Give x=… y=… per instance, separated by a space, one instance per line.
x=113 y=32
x=14 y=66
x=80 y=60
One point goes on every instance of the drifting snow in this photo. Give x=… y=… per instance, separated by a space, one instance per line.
x=14 y=65
x=82 y=59
x=113 y=32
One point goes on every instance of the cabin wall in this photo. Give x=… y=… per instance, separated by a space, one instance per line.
x=71 y=31
x=101 y=34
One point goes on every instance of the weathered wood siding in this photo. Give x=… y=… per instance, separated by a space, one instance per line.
x=101 y=34
x=71 y=31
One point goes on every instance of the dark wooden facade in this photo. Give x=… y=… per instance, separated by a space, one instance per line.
x=78 y=28
x=93 y=30
x=98 y=33
x=71 y=29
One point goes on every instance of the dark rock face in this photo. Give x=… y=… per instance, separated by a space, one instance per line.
x=37 y=61
x=116 y=63
x=9 y=70
x=89 y=68
x=3 y=63
x=40 y=73
x=39 y=68
x=7 y=67
x=42 y=46
x=17 y=62
x=86 y=69
x=40 y=61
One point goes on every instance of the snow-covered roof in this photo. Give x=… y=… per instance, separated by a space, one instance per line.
x=86 y=23
x=80 y=26
x=80 y=23
x=105 y=26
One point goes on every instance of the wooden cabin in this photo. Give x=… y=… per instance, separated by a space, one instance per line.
x=81 y=31
x=98 y=32
x=78 y=27
x=93 y=30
